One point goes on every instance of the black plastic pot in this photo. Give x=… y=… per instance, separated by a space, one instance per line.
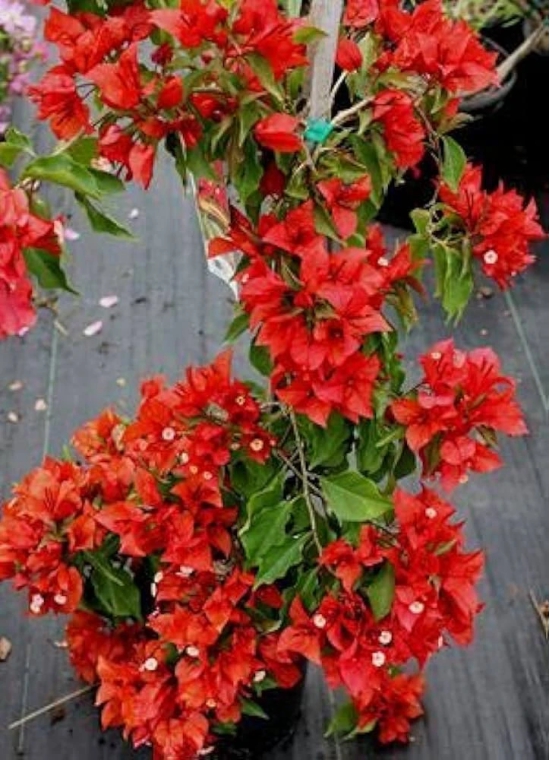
x=256 y=736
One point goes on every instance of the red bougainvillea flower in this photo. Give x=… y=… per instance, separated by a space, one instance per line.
x=348 y=55
x=499 y=225
x=360 y=13
x=59 y=102
x=343 y=200
x=444 y=51
x=395 y=706
x=19 y=229
x=278 y=133
x=461 y=400
x=403 y=132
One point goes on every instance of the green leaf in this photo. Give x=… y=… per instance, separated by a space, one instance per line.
x=100 y=221
x=344 y=721
x=278 y=560
x=15 y=137
x=354 y=498
x=381 y=591
x=248 y=173
x=454 y=279
x=115 y=591
x=47 y=269
x=264 y=72
x=248 y=115
x=454 y=162
x=305 y=35
x=106 y=182
x=253 y=708
x=63 y=170
x=247 y=476
x=8 y=154
x=83 y=150
x=326 y=446
x=265 y=527
x=238 y=326
x=260 y=359
x=369 y=455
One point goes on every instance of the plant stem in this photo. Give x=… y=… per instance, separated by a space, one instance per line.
x=305 y=482
x=345 y=115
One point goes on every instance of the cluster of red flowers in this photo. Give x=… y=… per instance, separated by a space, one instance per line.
x=146 y=104
x=463 y=399
x=498 y=224
x=313 y=309
x=155 y=484
x=434 y=595
x=19 y=229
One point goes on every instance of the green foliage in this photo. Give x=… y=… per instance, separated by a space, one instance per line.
x=47 y=269
x=454 y=162
x=100 y=221
x=327 y=447
x=354 y=498
x=380 y=591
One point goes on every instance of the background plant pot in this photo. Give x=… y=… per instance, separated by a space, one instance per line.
x=508 y=135
x=256 y=735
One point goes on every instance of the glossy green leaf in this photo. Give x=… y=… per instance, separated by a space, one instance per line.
x=354 y=498
x=253 y=709
x=47 y=269
x=260 y=359
x=100 y=221
x=381 y=591
x=238 y=326
x=344 y=721
x=280 y=559
x=63 y=170
x=328 y=446
x=116 y=591
x=454 y=162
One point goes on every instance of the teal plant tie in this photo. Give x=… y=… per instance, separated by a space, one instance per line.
x=318 y=130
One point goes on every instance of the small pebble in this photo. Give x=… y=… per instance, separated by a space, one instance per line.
x=15 y=386
x=13 y=417
x=121 y=382
x=5 y=648
x=40 y=405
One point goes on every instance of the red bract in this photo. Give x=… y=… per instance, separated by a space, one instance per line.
x=278 y=133
x=59 y=102
x=498 y=223
x=445 y=52
x=343 y=200
x=348 y=55
x=403 y=132
x=462 y=400
x=360 y=13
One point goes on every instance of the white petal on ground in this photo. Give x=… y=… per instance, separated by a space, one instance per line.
x=108 y=301
x=93 y=329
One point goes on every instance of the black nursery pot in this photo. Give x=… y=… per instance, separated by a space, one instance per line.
x=256 y=736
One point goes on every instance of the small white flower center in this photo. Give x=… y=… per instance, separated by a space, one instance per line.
x=207 y=475
x=383 y=262
x=257 y=444
x=185 y=571
x=184 y=457
x=150 y=664
x=490 y=257
x=211 y=703
x=259 y=676
x=463 y=479
x=192 y=651
x=430 y=513
x=385 y=638
x=158 y=576
x=168 y=434
x=378 y=659
x=417 y=608
x=240 y=400
x=193 y=469
x=60 y=599
x=319 y=621
x=436 y=356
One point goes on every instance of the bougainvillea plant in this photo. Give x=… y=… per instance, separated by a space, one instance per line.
x=209 y=545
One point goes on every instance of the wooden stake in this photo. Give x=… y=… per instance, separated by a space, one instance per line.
x=324 y=15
